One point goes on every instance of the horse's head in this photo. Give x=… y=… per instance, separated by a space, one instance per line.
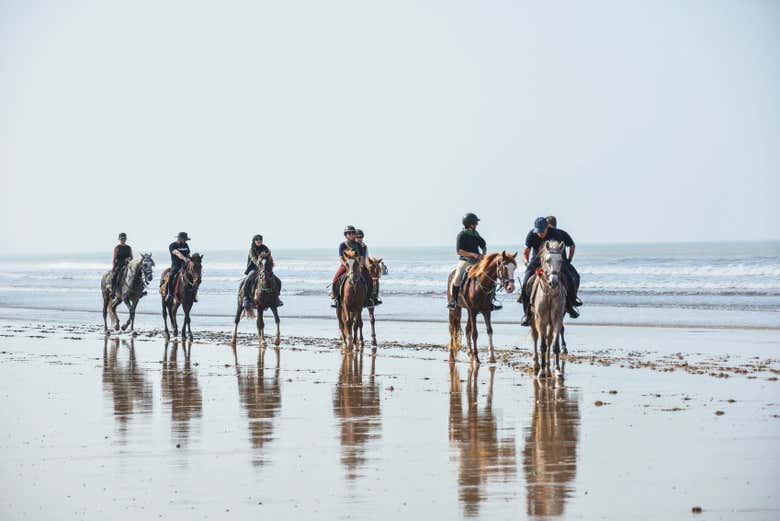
x=552 y=262
x=376 y=267
x=505 y=270
x=268 y=265
x=352 y=261
x=146 y=267
x=194 y=267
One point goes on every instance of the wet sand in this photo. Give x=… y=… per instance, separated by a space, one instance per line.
x=119 y=428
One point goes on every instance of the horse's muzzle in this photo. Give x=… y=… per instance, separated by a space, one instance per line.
x=510 y=286
x=554 y=281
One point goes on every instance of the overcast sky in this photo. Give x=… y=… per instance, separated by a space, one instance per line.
x=632 y=121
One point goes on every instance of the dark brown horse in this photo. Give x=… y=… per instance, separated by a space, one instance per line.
x=476 y=295
x=265 y=296
x=376 y=268
x=352 y=299
x=185 y=293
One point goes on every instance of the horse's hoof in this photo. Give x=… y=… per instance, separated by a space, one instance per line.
x=277 y=341
x=373 y=350
x=565 y=351
x=492 y=359
x=541 y=375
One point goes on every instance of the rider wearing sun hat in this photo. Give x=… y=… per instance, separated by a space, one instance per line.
x=536 y=238
x=180 y=252
x=122 y=254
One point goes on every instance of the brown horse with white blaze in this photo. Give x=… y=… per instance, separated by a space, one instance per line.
x=352 y=299
x=265 y=296
x=185 y=293
x=476 y=295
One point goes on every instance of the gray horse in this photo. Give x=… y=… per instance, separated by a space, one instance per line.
x=132 y=287
x=548 y=304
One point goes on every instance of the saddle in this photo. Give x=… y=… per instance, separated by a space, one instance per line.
x=340 y=287
x=165 y=280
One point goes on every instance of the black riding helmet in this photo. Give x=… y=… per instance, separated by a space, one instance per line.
x=349 y=229
x=257 y=237
x=359 y=234
x=122 y=235
x=470 y=219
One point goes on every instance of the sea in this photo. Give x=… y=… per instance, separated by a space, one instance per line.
x=724 y=284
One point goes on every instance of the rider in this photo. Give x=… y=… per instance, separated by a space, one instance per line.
x=366 y=274
x=540 y=233
x=571 y=271
x=350 y=244
x=180 y=252
x=122 y=254
x=257 y=252
x=468 y=246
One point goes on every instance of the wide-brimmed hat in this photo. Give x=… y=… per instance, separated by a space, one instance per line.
x=183 y=236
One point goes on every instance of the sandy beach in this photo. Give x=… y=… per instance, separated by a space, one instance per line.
x=648 y=424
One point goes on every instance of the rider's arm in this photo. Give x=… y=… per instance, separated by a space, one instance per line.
x=113 y=258
x=526 y=253
x=178 y=254
x=571 y=251
x=131 y=254
x=464 y=253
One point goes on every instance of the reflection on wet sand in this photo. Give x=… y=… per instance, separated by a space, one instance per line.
x=126 y=384
x=180 y=390
x=482 y=455
x=357 y=410
x=262 y=400
x=550 y=453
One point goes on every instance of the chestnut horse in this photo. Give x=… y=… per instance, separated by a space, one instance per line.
x=476 y=295
x=264 y=296
x=352 y=299
x=185 y=293
x=376 y=268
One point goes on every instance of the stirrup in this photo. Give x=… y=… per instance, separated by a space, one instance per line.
x=526 y=321
x=573 y=313
x=496 y=306
x=577 y=302
x=279 y=303
x=334 y=303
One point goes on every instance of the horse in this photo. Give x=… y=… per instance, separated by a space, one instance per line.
x=352 y=300
x=476 y=295
x=185 y=293
x=548 y=305
x=137 y=276
x=376 y=268
x=264 y=296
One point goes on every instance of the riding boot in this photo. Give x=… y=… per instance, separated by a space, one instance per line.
x=334 y=296
x=453 y=303
x=375 y=294
x=279 y=302
x=573 y=313
x=526 y=316
x=495 y=306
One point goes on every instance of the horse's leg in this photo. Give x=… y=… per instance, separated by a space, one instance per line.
x=348 y=329
x=373 y=331
x=455 y=333
x=340 y=318
x=129 y=304
x=468 y=335
x=556 y=351
x=114 y=315
x=105 y=312
x=535 y=337
x=489 y=328
x=543 y=339
x=235 y=324
x=474 y=335
x=187 y=320
x=563 y=341
x=278 y=337
x=359 y=330
x=173 y=311
x=165 y=317
x=260 y=328
x=132 y=315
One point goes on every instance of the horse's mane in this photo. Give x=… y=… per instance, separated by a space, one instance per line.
x=480 y=268
x=269 y=263
x=556 y=246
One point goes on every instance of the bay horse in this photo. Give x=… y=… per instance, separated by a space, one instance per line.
x=376 y=268
x=137 y=276
x=185 y=293
x=476 y=295
x=264 y=296
x=548 y=305
x=352 y=300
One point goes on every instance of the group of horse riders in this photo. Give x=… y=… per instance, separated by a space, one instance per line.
x=471 y=248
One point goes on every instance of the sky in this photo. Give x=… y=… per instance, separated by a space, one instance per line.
x=630 y=121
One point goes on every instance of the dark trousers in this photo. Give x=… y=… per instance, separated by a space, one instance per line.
x=173 y=274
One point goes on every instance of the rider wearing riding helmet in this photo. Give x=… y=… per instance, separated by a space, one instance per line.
x=471 y=248
x=568 y=267
x=123 y=253
x=350 y=243
x=366 y=273
x=180 y=253
x=536 y=238
x=257 y=253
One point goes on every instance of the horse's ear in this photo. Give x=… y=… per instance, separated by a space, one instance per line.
x=379 y=260
x=503 y=254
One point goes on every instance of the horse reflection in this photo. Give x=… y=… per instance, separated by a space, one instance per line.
x=262 y=400
x=482 y=455
x=550 y=453
x=180 y=391
x=357 y=408
x=130 y=391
